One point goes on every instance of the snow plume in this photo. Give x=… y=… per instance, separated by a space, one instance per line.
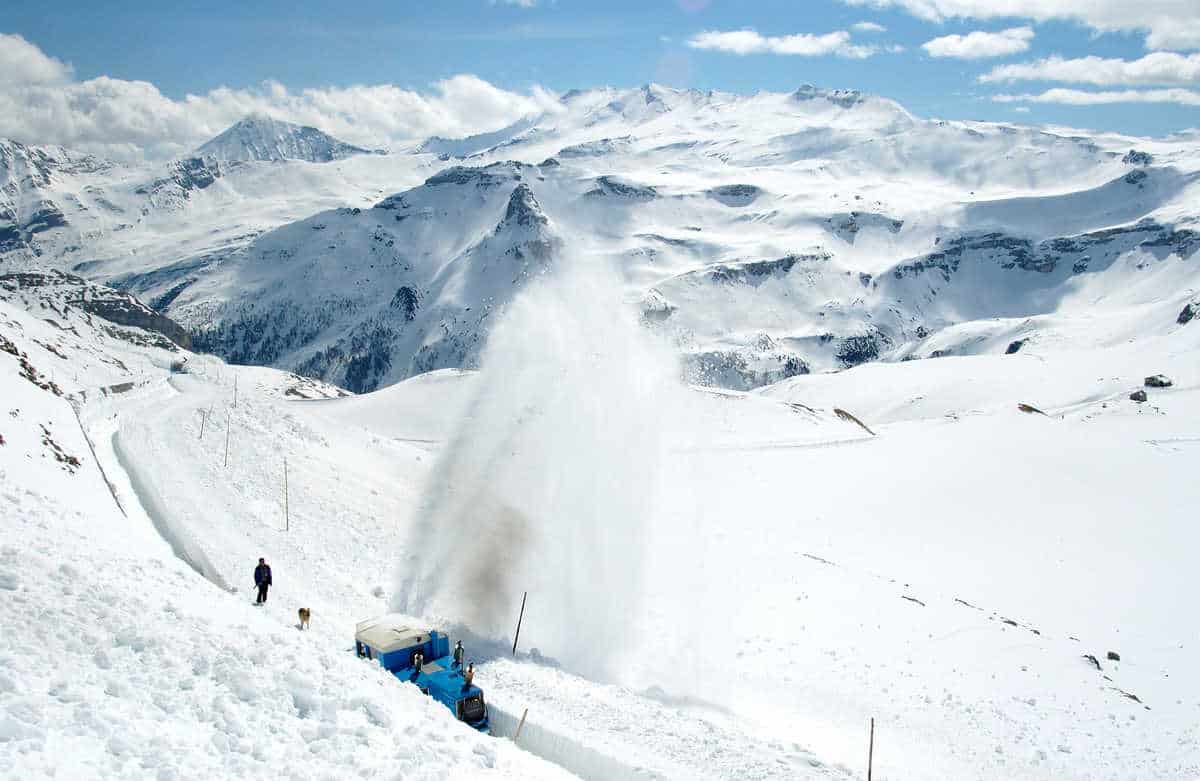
x=552 y=479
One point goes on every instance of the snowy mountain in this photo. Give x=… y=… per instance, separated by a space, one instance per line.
x=266 y=139
x=767 y=236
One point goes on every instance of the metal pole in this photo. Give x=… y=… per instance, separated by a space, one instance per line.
x=203 y=418
x=522 y=724
x=227 y=427
x=519 y=619
x=871 y=751
x=287 y=521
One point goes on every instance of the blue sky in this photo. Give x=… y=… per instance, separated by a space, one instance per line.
x=193 y=48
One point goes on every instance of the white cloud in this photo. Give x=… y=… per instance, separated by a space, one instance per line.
x=979 y=44
x=1166 y=68
x=131 y=119
x=1167 y=24
x=868 y=27
x=801 y=44
x=1021 y=109
x=1075 y=97
x=522 y=3
x=23 y=63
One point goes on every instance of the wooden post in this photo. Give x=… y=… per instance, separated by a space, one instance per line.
x=227 y=427
x=287 y=521
x=203 y=418
x=871 y=751
x=519 y=619
x=522 y=724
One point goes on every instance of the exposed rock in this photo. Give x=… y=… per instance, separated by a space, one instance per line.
x=115 y=306
x=1091 y=658
x=1030 y=409
x=734 y=194
x=1134 y=157
x=611 y=186
x=1136 y=177
x=761 y=363
x=753 y=272
x=847 y=226
x=1014 y=347
x=600 y=146
x=1113 y=656
x=1188 y=313
x=524 y=209
x=184 y=176
x=1158 y=381
x=483 y=177
x=1138 y=395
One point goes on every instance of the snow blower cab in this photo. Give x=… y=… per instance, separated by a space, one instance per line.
x=424 y=658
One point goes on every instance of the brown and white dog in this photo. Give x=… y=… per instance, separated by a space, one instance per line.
x=304 y=616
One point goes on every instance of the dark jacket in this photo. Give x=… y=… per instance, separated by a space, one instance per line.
x=262 y=575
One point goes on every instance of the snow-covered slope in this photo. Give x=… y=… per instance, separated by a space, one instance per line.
x=266 y=139
x=124 y=652
x=785 y=574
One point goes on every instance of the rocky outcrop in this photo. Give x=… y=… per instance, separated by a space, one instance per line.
x=184 y=177
x=61 y=289
x=523 y=210
x=759 y=363
x=846 y=226
x=1188 y=313
x=753 y=272
x=601 y=146
x=613 y=187
x=736 y=195
x=1138 y=395
x=1044 y=257
x=1158 y=381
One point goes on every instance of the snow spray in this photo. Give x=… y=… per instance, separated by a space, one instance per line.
x=552 y=477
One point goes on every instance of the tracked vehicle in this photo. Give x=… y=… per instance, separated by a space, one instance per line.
x=424 y=659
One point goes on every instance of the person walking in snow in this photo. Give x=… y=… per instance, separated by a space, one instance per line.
x=262 y=579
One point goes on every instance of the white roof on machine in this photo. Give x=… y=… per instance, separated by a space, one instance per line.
x=388 y=633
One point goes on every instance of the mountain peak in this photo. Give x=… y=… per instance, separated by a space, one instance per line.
x=260 y=137
x=524 y=209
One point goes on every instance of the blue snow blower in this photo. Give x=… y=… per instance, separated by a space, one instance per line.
x=424 y=659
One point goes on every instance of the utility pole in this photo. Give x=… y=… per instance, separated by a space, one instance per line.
x=519 y=726
x=520 y=618
x=287 y=522
x=871 y=751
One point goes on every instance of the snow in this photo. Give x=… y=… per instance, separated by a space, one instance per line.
x=720 y=583
x=119 y=660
